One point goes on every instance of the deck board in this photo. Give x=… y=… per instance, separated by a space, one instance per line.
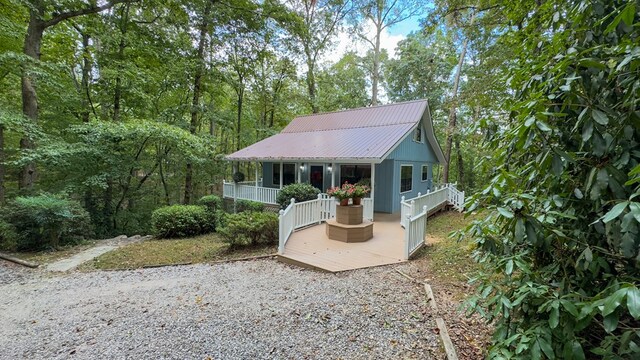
x=311 y=246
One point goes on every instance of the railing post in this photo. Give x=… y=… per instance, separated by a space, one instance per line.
x=280 y=233
x=413 y=206
x=319 y=208
x=407 y=237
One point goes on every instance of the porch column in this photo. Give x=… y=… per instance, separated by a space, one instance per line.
x=298 y=173
x=281 y=174
x=256 y=179
x=333 y=174
x=373 y=181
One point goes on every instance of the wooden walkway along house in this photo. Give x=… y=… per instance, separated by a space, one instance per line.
x=393 y=147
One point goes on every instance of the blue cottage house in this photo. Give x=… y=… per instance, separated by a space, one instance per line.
x=393 y=147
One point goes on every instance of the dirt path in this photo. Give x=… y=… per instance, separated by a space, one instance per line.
x=92 y=253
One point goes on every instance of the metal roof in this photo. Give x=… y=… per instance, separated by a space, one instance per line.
x=357 y=135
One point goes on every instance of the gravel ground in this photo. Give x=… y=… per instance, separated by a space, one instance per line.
x=258 y=309
x=11 y=273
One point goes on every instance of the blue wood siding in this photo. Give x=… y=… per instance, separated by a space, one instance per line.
x=411 y=150
x=383 y=193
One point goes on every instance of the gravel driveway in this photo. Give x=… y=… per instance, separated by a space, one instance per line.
x=243 y=310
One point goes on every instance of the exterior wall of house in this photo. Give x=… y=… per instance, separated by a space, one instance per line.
x=416 y=154
x=387 y=182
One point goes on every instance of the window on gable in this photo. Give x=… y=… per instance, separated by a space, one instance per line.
x=406 y=178
x=425 y=172
x=417 y=135
x=289 y=171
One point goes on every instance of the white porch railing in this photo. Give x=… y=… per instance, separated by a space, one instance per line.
x=299 y=215
x=249 y=191
x=367 y=211
x=412 y=211
x=415 y=232
x=456 y=198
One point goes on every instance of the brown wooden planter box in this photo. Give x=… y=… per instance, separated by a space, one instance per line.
x=349 y=233
x=349 y=215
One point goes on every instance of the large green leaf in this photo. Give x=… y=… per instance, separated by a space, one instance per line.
x=615 y=211
x=633 y=302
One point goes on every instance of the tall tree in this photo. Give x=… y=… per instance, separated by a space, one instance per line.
x=312 y=29
x=41 y=18
x=382 y=14
x=453 y=104
x=197 y=88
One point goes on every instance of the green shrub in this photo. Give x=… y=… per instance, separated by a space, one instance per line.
x=248 y=205
x=250 y=228
x=300 y=192
x=213 y=203
x=8 y=236
x=44 y=221
x=181 y=221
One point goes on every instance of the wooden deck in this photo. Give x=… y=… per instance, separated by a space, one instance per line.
x=311 y=248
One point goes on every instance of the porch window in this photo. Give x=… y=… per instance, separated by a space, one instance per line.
x=425 y=172
x=289 y=171
x=406 y=178
x=355 y=173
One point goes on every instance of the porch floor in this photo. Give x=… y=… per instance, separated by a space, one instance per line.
x=311 y=248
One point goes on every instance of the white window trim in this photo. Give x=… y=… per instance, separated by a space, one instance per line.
x=422 y=171
x=400 y=174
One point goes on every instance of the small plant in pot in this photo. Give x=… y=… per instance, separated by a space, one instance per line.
x=342 y=193
x=359 y=191
x=238 y=177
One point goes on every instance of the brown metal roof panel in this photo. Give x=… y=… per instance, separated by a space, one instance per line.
x=357 y=143
x=400 y=113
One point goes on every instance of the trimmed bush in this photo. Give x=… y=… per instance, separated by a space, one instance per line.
x=213 y=203
x=300 y=192
x=181 y=221
x=250 y=229
x=44 y=221
x=249 y=205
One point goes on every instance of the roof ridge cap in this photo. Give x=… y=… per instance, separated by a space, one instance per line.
x=343 y=128
x=359 y=108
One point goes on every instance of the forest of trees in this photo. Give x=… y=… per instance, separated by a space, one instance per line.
x=131 y=105
x=126 y=106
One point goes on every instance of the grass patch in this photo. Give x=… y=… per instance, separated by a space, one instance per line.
x=199 y=249
x=449 y=260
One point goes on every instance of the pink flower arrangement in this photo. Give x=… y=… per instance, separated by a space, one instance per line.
x=348 y=191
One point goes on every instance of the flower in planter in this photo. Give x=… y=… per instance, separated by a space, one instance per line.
x=360 y=191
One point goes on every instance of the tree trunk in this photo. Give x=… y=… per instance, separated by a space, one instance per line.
x=117 y=96
x=32 y=45
x=195 y=102
x=239 y=120
x=311 y=83
x=461 y=179
x=84 y=83
x=375 y=75
x=451 y=128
